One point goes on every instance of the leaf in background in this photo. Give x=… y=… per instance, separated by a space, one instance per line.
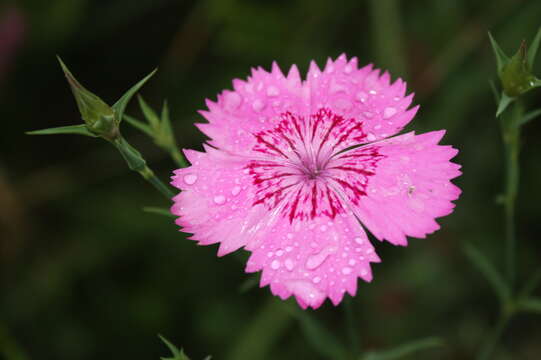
x=321 y=339
x=404 y=349
x=530 y=304
x=501 y=58
x=482 y=264
x=139 y=125
x=530 y=116
x=149 y=113
x=158 y=210
x=120 y=105
x=72 y=129
x=177 y=354
x=532 y=51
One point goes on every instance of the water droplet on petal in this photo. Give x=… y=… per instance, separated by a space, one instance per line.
x=273 y=91
x=289 y=248
x=351 y=262
x=289 y=264
x=323 y=228
x=368 y=114
x=371 y=137
x=275 y=265
x=389 y=112
x=316 y=280
x=270 y=254
x=315 y=261
x=364 y=272
x=289 y=236
x=361 y=96
x=348 y=69
x=346 y=270
x=373 y=92
x=190 y=179
x=258 y=105
x=235 y=191
x=219 y=199
x=359 y=240
x=280 y=252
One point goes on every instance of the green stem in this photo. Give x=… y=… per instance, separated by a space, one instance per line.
x=351 y=324
x=135 y=162
x=492 y=339
x=511 y=139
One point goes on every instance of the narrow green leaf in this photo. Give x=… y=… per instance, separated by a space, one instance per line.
x=530 y=116
x=149 y=113
x=138 y=125
x=532 y=51
x=501 y=58
x=530 y=304
x=482 y=264
x=120 y=105
x=504 y=103
x=158 y=211
x=249 y=284
x=72 y=129
x=404 y=349
x=494 y=91
x=531 y=284
x=177 y=354
x=321 y=339
x=166 y=121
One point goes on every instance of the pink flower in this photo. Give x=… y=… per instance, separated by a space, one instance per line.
x=295 y=171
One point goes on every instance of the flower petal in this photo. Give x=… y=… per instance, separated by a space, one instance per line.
x=215 y=204
x=313 y=260
x=253 y=106
x=409 y=188
x=362 y=94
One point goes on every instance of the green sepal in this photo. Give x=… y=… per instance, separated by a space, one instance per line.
x=72 y=129
x=532 y=51
x=404 y=349
x=488 y=270
x=504 y=102
x=97 y=115
x=501 y=57
x=516 y=75
x=159 y=211
x=177 y=354
x=120 y=106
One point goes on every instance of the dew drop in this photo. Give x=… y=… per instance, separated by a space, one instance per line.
x=368 y=114
x=316 y=280
x=315 y=261
x=373 y=92
x=377 y=127
x=235 y=191
x=190 y=179
x=289 y=236
x=258 y=105
x=346 y=270
x=348 y=69
x=275 y=265
x=270 y=254
x=361 y=96
x=289 y=264
x=219 y=199
x=364 y=272
x=351 y=262
x=371 y=137
x=389 y=112
x=289 y=248
x=273 y=91
x=280 y=252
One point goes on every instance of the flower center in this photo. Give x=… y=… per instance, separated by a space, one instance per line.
x=303 y=173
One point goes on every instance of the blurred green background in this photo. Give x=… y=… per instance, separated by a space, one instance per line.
x=85 y=274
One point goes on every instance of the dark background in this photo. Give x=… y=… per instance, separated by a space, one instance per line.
x=85 y=274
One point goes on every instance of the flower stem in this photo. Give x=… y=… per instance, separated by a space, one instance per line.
x=511 y=139
x=137 y=163
x=492 y=339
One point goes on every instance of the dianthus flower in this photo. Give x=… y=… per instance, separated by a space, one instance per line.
x=295 y=171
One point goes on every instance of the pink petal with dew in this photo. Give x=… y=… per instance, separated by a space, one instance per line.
x=314 y=260
x=362 y=94
x=215 y=204
x=253 y=106
x=410 y=187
